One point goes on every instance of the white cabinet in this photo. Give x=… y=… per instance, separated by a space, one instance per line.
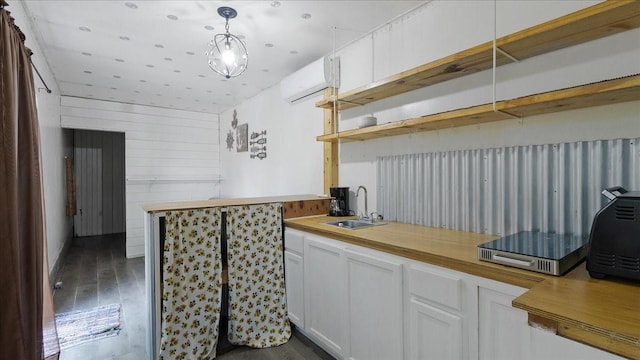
x=503 y=331
x=294 y=270
x=352 y=300
x=433 y=333
x=547 y=345
x=294 y=275
x=374 y=295
x=361 y=304
x=439 y=314
x=325 y=294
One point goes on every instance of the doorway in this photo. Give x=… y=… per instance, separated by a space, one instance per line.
x=99 y=166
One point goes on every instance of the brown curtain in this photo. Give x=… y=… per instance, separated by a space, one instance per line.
x=23 y=267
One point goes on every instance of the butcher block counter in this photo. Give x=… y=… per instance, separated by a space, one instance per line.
x=601 y=313
x=294 y=205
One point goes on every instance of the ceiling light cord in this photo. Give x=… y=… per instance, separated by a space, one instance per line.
x=227 y=54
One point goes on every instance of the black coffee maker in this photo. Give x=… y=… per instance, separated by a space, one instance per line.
x=339 y=201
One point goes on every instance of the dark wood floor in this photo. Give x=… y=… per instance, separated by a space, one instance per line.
x=95 y=271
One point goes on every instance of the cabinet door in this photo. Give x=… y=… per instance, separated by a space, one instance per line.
x=374 y=295
x=325 y=295
x=503 y=329
x=294 y=270
x=433 y=333
x=293 y=240
x=548 y=345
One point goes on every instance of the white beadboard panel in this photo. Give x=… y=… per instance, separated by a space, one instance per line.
x=552 y=187
x=136 y=118
x=140 y=123
x=83 y=103
x=170 y=163
x=142 y=194
x=144 y=144
x=143 y=131
x=145 y=192
x=170 y=155
x=193 y=137
x=183 y=174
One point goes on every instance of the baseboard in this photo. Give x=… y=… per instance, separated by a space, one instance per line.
x=134 y=251
x=55 y=269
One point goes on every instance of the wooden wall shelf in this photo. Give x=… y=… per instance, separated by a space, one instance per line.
x=595 y=94
x=591 y=23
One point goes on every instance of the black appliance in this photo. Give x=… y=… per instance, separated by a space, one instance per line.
x=614 y=244
x=547 y=253
x=339 y=201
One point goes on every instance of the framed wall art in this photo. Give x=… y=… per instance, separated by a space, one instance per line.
x=242 y=133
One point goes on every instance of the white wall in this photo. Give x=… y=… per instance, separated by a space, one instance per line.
x=294 y=158
x=438 y=29
x=170 y=155
x=55 y=144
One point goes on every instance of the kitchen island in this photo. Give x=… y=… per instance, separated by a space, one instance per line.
x=604 y=314
x=155 y=236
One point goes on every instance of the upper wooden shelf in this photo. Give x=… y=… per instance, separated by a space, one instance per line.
x=591 y=23
x=595 y=94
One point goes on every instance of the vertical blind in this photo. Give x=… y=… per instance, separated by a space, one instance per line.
x=551 y=188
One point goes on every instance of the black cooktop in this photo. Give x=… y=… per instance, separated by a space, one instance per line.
x=539 y=244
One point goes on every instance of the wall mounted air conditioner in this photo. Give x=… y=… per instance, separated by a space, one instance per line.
x=311 y=79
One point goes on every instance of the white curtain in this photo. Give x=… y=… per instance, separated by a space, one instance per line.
x=191 y=285
x=257 y=299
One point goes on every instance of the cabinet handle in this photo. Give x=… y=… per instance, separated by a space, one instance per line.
x=512 y=261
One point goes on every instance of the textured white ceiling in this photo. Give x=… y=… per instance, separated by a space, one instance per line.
x=152 y=52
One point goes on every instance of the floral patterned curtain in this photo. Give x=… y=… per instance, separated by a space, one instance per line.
x=191 y=285
x=257 y=301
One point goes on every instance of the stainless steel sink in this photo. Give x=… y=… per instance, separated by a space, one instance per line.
x=353 y=224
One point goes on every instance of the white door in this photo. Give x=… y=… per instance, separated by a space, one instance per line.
x=100 y=182
x=374 y=292
x=294 y=270
x=325 y=294
x=433 y=333
x=503 y=329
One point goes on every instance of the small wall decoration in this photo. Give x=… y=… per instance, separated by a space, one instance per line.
x=234 y=122
x=230 y=140
x=242 y=132
x=258 y=144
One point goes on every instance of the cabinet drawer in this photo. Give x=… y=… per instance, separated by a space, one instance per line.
x=436 y=285
x=294 y=240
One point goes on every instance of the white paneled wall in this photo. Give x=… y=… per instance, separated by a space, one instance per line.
x=55 y=143
x=170 y=155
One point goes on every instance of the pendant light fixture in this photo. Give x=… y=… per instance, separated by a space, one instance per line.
x=227 y=53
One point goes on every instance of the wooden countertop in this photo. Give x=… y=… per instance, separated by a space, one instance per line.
x=601 y=313
x=195 y=204
x=452 y=249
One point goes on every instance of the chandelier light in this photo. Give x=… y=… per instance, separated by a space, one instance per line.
x=227 y=53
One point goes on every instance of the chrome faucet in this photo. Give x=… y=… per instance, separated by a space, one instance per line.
x=364 y=216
